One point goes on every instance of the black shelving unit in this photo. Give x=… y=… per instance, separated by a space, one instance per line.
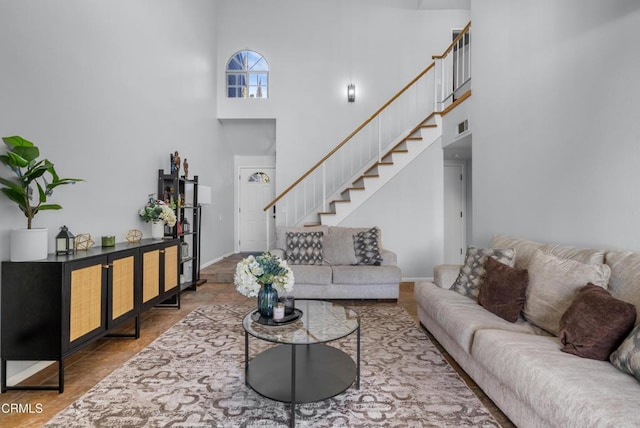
x=184 y=192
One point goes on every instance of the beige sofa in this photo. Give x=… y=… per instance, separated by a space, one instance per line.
x=338 y=276
x=520 y=366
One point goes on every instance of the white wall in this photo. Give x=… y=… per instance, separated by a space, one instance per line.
x=556 y=135
x=314 y=49
x=108 y=89
x=409 y=211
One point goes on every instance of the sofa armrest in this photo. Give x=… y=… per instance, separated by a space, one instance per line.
x=277 y=252
x=445 y=275
x=389 y=258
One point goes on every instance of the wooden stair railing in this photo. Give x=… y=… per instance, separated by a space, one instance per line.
x=398 y=148
x=350 y=136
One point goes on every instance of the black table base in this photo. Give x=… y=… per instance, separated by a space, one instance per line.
x=301 y=373
x=321 y=372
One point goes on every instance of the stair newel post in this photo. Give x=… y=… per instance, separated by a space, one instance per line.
x=324 y=186
x=380 y=137
x=268 y=228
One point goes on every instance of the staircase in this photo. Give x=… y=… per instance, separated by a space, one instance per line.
x=377 y=175
x=382 y=146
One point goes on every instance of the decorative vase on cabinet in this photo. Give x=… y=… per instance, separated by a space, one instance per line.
x=157 y=229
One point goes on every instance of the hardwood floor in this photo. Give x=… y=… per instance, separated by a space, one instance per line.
x=90 y=365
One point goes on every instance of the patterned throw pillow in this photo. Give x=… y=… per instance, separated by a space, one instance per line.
x=366 y=247
x=473 y=272
x=627 y=356
x=304 y=248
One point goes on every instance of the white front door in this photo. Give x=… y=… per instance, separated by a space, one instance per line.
x=454 y=221
x=257 y=189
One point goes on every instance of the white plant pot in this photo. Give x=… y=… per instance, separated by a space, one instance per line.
x=157 y=229
x=29 y=244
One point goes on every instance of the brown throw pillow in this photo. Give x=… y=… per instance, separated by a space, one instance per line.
x=596 y=323
x=504 y=289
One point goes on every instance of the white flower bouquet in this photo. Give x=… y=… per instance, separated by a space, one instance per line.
x=252 y=272
x=158 y=210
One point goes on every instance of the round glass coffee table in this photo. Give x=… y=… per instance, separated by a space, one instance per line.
x=303 y=368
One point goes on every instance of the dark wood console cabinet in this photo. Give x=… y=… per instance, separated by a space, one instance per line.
x=52 y=308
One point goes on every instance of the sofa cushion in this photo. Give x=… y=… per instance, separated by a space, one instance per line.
x=461 y=317
x=625 y=277
x=525 y=249
x=589 y=256
x=304 y=248
x=366 y=275
x=503 y=291
x=472 y=273
x=338 y=244
x=553 y=283
x=595 y=323
x=627 y=356
x=311 y=274
x=560 y=386
x=366 y=247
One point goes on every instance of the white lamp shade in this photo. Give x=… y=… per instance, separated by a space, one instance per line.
x=204 y=195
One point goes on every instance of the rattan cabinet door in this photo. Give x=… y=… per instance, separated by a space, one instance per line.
x=85 y=291
x=150 y=275
x=123 y=277
x=171 y=276
x=160 y=273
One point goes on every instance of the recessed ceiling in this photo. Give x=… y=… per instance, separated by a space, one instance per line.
x=459 y=149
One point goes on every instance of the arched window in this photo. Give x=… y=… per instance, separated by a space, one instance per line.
x=259 y=177
x=247 y=75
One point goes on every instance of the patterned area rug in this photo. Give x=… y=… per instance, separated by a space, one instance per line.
x=193 y=376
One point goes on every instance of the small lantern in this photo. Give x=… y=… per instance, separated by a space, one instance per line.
x=64 y=242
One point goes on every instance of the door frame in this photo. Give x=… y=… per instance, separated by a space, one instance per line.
x=239 y=171
x=463 y=203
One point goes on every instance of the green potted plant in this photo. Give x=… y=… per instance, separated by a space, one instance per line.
x=34 y=182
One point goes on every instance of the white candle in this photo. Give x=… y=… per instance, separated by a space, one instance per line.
x=278 y=312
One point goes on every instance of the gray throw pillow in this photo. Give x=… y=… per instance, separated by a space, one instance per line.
x=304 y=248
x=366 y=247
x=473 y=272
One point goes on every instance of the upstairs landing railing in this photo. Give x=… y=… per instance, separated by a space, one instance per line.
x=453 y=69
x=429 y=92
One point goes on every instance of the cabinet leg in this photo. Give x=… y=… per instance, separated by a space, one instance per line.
x=4 y=376
x=60 y=376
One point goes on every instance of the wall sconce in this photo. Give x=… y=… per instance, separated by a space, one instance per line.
x=351 y=92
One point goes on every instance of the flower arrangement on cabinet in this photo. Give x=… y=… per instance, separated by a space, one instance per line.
x=158 y=210
x=252 y=272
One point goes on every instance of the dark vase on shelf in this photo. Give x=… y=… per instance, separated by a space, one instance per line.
x=267 y=300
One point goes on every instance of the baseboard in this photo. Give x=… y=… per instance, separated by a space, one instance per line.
x=28 y=372
x=216 y=260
